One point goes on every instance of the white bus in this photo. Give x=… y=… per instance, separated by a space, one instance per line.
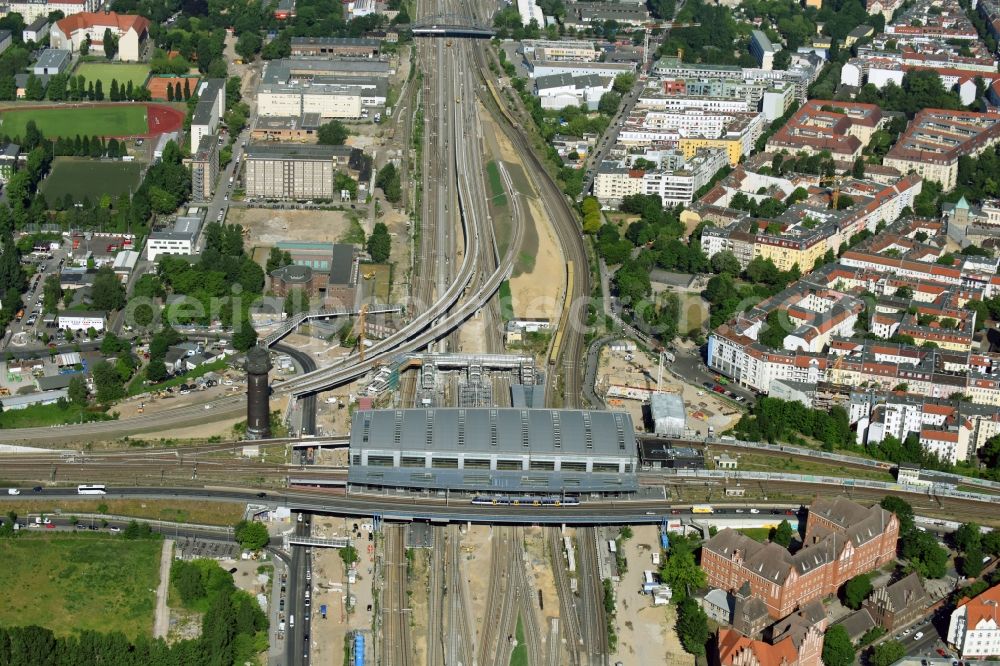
x=91 y=490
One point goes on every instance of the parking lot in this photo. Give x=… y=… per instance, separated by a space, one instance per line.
x=187 y=548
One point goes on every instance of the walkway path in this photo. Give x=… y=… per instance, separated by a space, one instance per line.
x=161 y=625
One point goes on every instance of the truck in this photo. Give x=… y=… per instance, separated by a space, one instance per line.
x=612 y=546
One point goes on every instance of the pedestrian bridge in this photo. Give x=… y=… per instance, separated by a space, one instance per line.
x=335 y=542
x=451 y=25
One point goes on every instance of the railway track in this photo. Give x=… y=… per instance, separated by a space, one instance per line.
x=569 y=622
x=497 y=598
x=459 y=644
x=397 y=648
x=563 y=387
x=593 y=621
x=527 y=599
x=435 y=600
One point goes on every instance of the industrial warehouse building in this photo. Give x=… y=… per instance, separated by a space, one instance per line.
x=295 y=171
x=501 y=451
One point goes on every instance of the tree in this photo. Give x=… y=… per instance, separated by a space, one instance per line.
x=856 y=590
x=858 y=170
x=623 y=83
x=837 y=647
x=783 y=534
x=725 y=262
x=608 y=105
x=108 y=383
x=244 y=334
x=77 y=391
x=680 y=571
x=170 y=92
x=967 y=537
x=107 y=293
x=33 y=89
x=248 y=45
x=991 y=543
x=887 y=653
x=971 y=564
x=692 y=626
x=110 y=44
x=251 y=535
x=388 y=180
x=156 y=370
x=333 y=133
x=276 y=259
x=903 y=511
x=924 y=554
x=297 y=300
x=85 y=46
x=379 y=243
x=349 y=555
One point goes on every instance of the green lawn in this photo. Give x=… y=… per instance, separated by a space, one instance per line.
x=81 y=177
x=497 y=193
x=118 y=120
x=40 y=416
x=106 y=72
x=82 y=581
x=756 y=533
x=519 y=655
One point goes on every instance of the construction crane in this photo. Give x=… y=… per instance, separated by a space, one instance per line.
x=666 y=26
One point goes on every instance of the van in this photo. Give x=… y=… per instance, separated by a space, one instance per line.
x=291 y=620
x=13 y=491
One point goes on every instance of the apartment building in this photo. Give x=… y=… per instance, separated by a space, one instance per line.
x=974 y=627
x=204 y=164
x=806 y=231
x=32 y=10
x=294 y=171
x=935 y=140
x=842 y=128
x=675 y=180
x=763 y=50
x=130 y=29
x=877 y=415
x=843 y=539
x=208 y=112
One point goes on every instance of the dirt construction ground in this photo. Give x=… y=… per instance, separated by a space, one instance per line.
x=636 y=370
x=268 y=226
x=538 y=287
x=330 y=587
x=646 y=632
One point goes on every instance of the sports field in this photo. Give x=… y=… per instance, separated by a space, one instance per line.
x=82 y=177
x=116 y=120
x=82 y=581
x=92 y=71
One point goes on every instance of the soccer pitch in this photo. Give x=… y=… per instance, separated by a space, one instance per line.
x=85 y=120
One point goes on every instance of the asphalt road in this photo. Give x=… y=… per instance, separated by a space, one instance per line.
x=307 y=404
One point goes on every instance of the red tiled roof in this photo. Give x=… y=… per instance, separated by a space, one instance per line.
x=89 y=20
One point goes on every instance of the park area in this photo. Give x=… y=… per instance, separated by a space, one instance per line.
x=82 y=177
x=107 y=72
x=81 y=581
x=85 y=120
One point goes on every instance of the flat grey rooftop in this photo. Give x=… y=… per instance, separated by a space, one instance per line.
x=484 y=430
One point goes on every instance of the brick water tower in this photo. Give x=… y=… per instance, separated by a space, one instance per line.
x=258 y=393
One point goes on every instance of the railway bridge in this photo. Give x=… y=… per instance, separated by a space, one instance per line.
x=451 y=25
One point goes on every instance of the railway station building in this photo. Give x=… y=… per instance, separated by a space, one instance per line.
x=502 y=451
